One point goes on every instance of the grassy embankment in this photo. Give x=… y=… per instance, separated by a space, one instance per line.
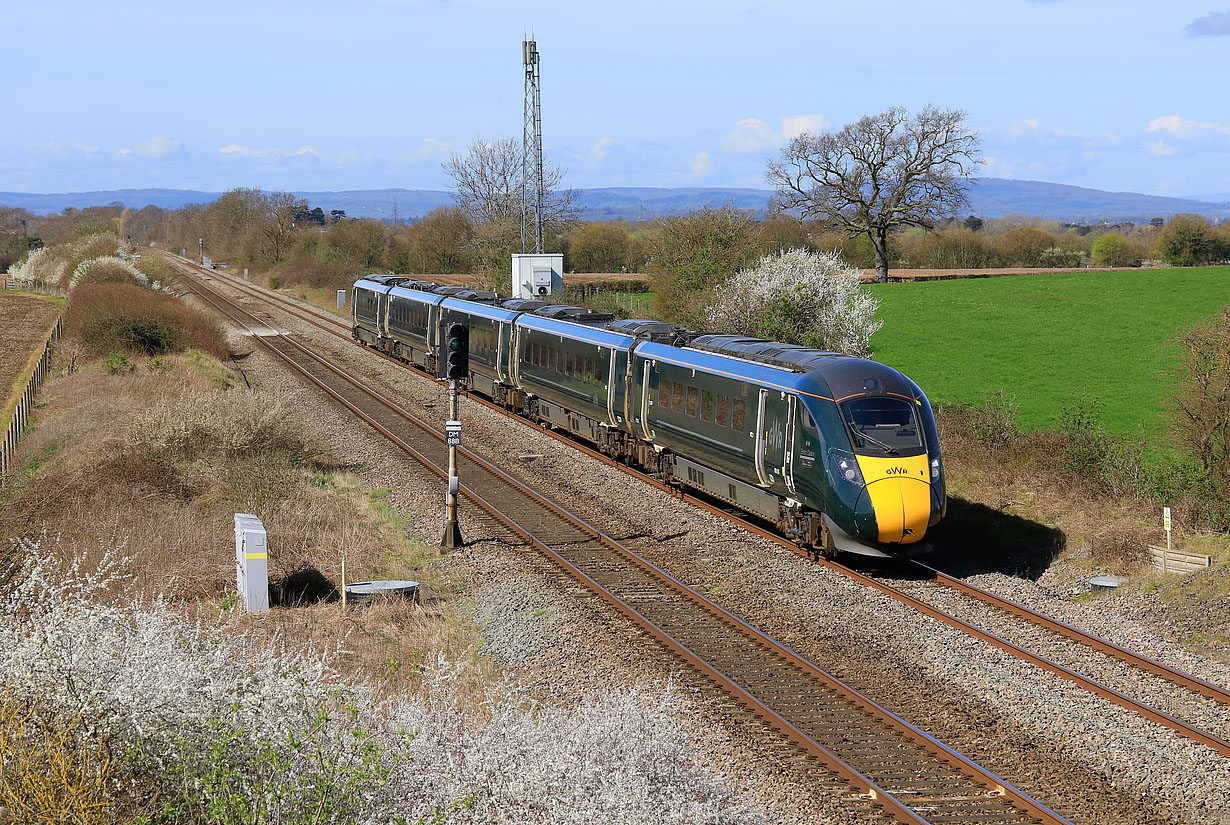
x=1042 y=338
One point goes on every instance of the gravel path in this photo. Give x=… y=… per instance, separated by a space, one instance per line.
x=1050 y=738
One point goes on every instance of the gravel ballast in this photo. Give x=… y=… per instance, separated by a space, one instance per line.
x=1053 y=739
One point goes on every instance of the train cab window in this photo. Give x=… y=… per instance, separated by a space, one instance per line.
x=589 y=370
x=883 y=425
x=809 y=423
x=664 y=392
x=677 y=397
x=691 y=410
x=739 y=419
x=723 y=411
x=706 y=405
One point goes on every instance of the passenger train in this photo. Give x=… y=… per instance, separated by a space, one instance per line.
x=839 y=453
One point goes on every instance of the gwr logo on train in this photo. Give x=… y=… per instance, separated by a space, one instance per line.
x=897 y=471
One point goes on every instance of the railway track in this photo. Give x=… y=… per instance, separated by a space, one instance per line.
x=895 y=767
x=1216 y=693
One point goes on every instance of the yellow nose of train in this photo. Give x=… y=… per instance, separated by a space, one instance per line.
x=900 y=494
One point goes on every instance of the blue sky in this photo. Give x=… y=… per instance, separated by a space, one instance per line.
x=360 y=94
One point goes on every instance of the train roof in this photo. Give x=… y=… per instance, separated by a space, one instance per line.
x=479 y=310
x=416 y=295
x=787 y=356
x=835 y=378
x=580 y=332
x=578 y=315
x=659 y=331
x=384 y=279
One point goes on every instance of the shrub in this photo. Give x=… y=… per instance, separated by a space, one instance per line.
x=1119 y=550
x=1060 y=258
x=992 y=427
x=236 y=423
x=691 y=254
x=798 y=297
x=49 y=773
x=107 y=269
x=1187 y=241
x=1112 y=249
x=113 y=317
x=220 y=727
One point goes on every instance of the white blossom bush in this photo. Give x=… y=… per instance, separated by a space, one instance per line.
x=616 y=756
x=798 y=297
x=216 y=724
x=106 y=267
x=39 y=269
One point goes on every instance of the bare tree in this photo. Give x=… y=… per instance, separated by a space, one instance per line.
x=487 y=180
x=881 y=172
x=279 y=222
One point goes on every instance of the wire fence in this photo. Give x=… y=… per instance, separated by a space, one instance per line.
x=21 y=415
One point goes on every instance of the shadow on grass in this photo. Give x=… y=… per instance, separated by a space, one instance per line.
x=302 y=586
x=974 y=538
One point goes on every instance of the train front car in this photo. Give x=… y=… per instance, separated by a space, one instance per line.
x=883 y=477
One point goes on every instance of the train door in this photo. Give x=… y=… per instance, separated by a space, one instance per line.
x=772 y=420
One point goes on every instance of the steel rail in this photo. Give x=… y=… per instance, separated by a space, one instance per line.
x=1164 y=671
x=1170 y=674
x=874 y=792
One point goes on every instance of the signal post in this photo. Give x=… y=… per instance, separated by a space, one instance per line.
x=454 y=366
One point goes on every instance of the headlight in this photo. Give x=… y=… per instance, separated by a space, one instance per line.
x=935 y=468
x=845 y=467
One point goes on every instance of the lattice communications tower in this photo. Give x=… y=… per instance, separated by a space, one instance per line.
x=532 y=194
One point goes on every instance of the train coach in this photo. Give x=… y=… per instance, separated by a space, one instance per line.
x=839 y=453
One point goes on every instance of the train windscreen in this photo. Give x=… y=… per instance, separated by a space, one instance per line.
x=883 y=426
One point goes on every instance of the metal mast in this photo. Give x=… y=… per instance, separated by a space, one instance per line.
x=531 y=147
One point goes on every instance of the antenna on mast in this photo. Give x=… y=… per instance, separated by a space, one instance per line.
x=531 y=146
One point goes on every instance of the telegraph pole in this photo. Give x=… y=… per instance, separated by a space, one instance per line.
x=455 y=364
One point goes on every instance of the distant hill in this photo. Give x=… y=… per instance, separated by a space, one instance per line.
x=991 y=198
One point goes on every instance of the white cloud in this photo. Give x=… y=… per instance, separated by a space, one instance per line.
x=602 y=147
x=1158 y=148
x=234 y=150
x=1186 y=129
x=1035 y=131
x=701 y=165
x=792 y=127
x=1216 y=24
x=1179 y=135
x=156 y=148
x=755 y=135
x=65 y=150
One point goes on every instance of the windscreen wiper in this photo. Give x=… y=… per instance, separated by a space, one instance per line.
x=878 y=443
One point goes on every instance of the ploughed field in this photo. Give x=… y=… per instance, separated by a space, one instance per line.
x=25 y=323
x=1042 y=338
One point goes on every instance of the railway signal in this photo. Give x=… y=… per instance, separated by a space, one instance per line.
x=456 y=361
x=454 y=366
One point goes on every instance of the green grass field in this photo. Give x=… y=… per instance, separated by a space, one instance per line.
x=1039 y=338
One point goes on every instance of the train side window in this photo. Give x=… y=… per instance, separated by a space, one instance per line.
x=597 y=370
x=551 y=359
x=739 y=419
x=706 y=405
x=589 y=370
x=664 y=392
x=691 y=410
x=569 y=370
x=677 y=397
x=723 y=411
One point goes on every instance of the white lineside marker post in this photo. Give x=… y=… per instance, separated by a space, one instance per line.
x=1166 y=525
x=341 y=298
x=343 y=581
